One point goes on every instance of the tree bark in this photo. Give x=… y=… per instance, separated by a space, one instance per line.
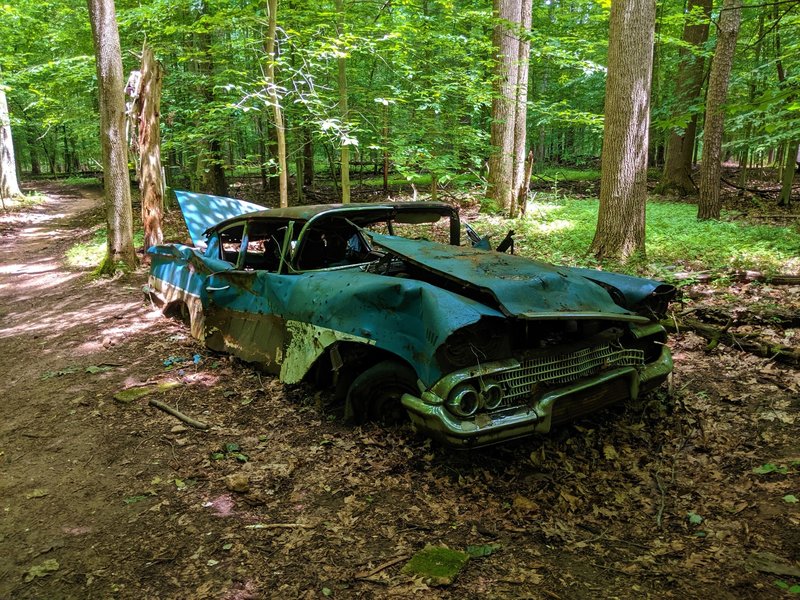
x=500 y=179
x=521 y=111
x=623 y=183
x=277 y=111
x=116 y=181
x=343 y=107
x=678 y=164
x=711 y=171
x=211 y=169
x=151 y=182
x=308 y=157
x=789 y=170
x=9 y=186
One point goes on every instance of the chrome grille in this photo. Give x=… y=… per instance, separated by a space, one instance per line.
x=563 y=368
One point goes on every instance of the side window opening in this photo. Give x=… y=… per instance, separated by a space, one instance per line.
x=231 y=243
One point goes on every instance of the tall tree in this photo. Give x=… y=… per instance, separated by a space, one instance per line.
x=623 y=181
x=711 y=170
x=691 y=69
x=116 y=181
x=790 y=162
x=521 y=175
x=272 y=94
x=9 y=187
x=343 y=108
x=511 y=47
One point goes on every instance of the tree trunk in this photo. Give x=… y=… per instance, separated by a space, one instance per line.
x=506 y=54
x=711 y=171
x=789 y=170
x=277 y=111
x=386 y=148
x=262 y=152
x=308 y=157
x=678 y=165
x=343 y=108
x=211 y=169
x=9 y=186
x=521 y=110
x=151 y=183
x=116 y=181
x=623 y=183
x=790 y=161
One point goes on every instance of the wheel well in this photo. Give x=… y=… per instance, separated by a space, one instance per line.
x=342 y=362
x=178 y=309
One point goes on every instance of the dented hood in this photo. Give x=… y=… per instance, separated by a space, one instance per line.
x=201 y=211
x=517 y=286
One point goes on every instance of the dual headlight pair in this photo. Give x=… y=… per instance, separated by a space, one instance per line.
x=466 y=399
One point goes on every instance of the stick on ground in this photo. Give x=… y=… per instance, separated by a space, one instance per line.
x=179 y=415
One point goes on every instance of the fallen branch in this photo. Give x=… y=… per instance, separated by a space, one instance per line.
x=279 y=526
x=780 y=317
x=739 y=275
x=751 y=343
x=382 y=567
x=758 y=191
x=178 y=415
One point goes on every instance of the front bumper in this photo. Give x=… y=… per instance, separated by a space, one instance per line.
x=430 y=416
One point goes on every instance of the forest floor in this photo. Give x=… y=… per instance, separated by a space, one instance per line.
x=690 y=492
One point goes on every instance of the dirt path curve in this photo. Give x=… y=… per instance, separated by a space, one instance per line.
x=61 y=463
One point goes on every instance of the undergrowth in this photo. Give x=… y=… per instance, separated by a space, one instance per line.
x=561 y=232
x=89 y=254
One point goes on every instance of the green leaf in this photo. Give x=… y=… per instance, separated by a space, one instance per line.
x=180 y=484
x=483 y=550
x=770 y=468
x=790 y=498
x=694 y=518
x=231 y=447
x=134 y=499
x=327 y=592
x=98 y=368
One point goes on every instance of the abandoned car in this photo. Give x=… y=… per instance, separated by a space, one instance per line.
x=476 y=346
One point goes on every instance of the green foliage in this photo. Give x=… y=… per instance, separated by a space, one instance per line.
x=560 y=231
x=89 y=254
x=770 y=468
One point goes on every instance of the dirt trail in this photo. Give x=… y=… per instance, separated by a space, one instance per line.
x=59 y=461
x=691 y=494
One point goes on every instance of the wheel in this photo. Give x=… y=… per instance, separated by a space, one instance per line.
x=375 y=394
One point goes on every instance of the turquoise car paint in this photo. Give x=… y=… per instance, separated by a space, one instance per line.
x=312 y=289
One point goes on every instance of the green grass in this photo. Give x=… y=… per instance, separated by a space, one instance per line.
x=555 y=174
x=90 y=253
x=560 y=232
x=80 y=181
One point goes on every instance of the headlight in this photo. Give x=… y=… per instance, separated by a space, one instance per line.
x=463 y=400
x=491 y=395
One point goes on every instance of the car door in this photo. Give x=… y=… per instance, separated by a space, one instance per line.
x=244 y=315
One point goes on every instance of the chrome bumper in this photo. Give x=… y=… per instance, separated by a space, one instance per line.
x=430 y=416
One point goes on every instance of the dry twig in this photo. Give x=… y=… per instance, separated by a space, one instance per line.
x=179 y=415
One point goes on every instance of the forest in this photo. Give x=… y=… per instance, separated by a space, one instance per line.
x=655 y=139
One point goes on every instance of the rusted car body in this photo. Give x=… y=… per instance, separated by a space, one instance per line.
x=475 y=346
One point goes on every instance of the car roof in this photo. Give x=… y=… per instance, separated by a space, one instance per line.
x=351 y=211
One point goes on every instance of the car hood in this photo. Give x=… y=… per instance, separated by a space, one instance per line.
x=516 y=286
x=202 y=211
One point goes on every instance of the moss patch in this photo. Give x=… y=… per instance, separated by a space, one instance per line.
x=131 y=394
x=437 y=565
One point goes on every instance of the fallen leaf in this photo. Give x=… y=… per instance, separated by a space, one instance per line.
x=43 y=569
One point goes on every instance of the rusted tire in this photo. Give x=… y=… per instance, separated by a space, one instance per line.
x=375 y=394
